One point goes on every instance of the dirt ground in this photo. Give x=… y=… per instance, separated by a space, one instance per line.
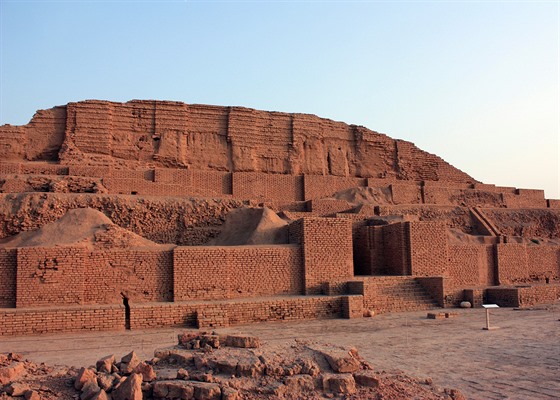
x=520 y=360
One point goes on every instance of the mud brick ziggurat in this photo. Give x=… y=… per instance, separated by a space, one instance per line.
x=154 y=213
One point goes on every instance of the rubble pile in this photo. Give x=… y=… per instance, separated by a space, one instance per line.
x=210 y=366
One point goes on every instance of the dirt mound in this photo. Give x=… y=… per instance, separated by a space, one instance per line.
x=252 y=226
x=83 y=226
x=365 y=195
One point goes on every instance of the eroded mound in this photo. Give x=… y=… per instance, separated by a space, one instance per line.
x=252 y=226
x=83 y=226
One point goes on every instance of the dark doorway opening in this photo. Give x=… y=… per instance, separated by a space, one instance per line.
x=126 y=311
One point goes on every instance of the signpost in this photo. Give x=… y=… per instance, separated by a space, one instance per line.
x=488 y=307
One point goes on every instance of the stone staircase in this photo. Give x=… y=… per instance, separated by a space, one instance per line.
x=395 y=294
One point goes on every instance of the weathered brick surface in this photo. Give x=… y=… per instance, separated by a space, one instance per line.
x=50 y=275
x=58 y=319
x=207 y=273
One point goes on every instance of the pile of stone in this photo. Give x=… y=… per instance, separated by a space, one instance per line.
x=210 y=366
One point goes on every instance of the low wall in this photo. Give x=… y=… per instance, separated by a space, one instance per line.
x=156 y=315
x=61 y=319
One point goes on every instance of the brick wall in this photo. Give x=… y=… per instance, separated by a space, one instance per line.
x=139 y=275
x=543 y=262
x=406 y=194
x=256 y=185
x=369 y=251
x=327 y=251
x=512 y=263
x=9 y=168
x=328 y=207
x=471 y=265
x=525 y=198
x=8 y=271
x=68 y=319
x=209 y=273
x=518 y=263
x=318 y=186
x=428 y=248
x=50 y=275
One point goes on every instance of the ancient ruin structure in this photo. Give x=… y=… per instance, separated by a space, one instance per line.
x=150 y=213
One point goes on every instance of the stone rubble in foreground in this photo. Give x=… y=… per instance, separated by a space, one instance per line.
x=210 y=366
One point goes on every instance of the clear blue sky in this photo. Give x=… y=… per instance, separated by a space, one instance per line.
x=476 y=82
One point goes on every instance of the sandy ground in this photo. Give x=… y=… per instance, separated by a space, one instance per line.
x=520 y=360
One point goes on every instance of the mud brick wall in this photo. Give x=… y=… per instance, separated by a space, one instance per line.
x=143 y=187
x=210 y=273
x=525 y=198
x=542 y=294
x=406 y=194
x=139 y=275
x=428 y=248
x=157 y=315
x=328 y=207
x=512 y=263
x=327 y=251
x=543 y=262
x=471 y=265
x=462 y=197
x=552 y=203
x=8 y=272
x=172 y=134
x=211 y=183
x=9 y=168
x=396 y=250
x=92 y=171
x=67 y=319
x=43 y=169
x=452 y=216
x=234 y=312
x=317 y=186
x=16 y=185
x=277 y=309
x=255 y=185
x=50 y=275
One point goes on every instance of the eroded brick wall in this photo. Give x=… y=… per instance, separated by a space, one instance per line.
x=138 y=275
x=51 y=275
x=209 y=273
x=471 y=265
x=8 y=271
x=512 y=263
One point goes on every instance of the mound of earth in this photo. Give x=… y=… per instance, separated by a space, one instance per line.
x=364 y=195
x=251 y=226
x=81 y=226
x=206 y=365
